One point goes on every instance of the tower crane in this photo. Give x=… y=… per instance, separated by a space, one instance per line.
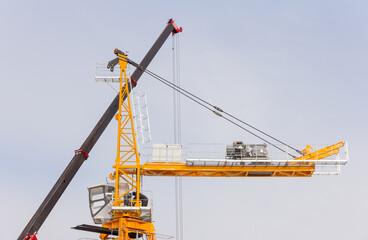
x=121 y=207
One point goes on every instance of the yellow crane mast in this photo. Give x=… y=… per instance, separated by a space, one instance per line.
x=127 y=218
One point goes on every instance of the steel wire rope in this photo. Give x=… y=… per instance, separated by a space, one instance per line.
x=177 y=136
x=202 y=102
x=230 y=115
x=111 y=86
x=175 y=93
x=220 y=115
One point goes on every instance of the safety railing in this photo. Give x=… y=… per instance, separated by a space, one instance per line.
x=217 y=155
x=163 y=236
x=103 y=74
x=201 y=154
x=157 y=235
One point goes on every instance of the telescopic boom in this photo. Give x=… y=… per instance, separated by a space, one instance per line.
x=82 y=153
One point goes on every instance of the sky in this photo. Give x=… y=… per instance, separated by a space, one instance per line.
x=295 y=69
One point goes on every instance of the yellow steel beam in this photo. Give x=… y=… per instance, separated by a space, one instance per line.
x=181 y=169
x=293 y=169
x=130 y=225
x=319 y=154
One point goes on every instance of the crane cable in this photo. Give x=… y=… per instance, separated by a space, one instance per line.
x=217 y=110
x=219 y=114
x=202 y=102
x=177 y=136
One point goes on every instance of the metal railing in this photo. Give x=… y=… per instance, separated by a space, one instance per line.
x=201 y=154
x=103 y=74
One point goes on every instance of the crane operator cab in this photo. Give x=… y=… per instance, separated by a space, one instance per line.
x=101 y=199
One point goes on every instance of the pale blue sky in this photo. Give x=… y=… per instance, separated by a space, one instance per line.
x=296 y=69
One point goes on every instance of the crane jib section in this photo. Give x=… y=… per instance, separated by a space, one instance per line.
x=303 y=166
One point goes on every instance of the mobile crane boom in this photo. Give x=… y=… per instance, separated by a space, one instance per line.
x=82 y=153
